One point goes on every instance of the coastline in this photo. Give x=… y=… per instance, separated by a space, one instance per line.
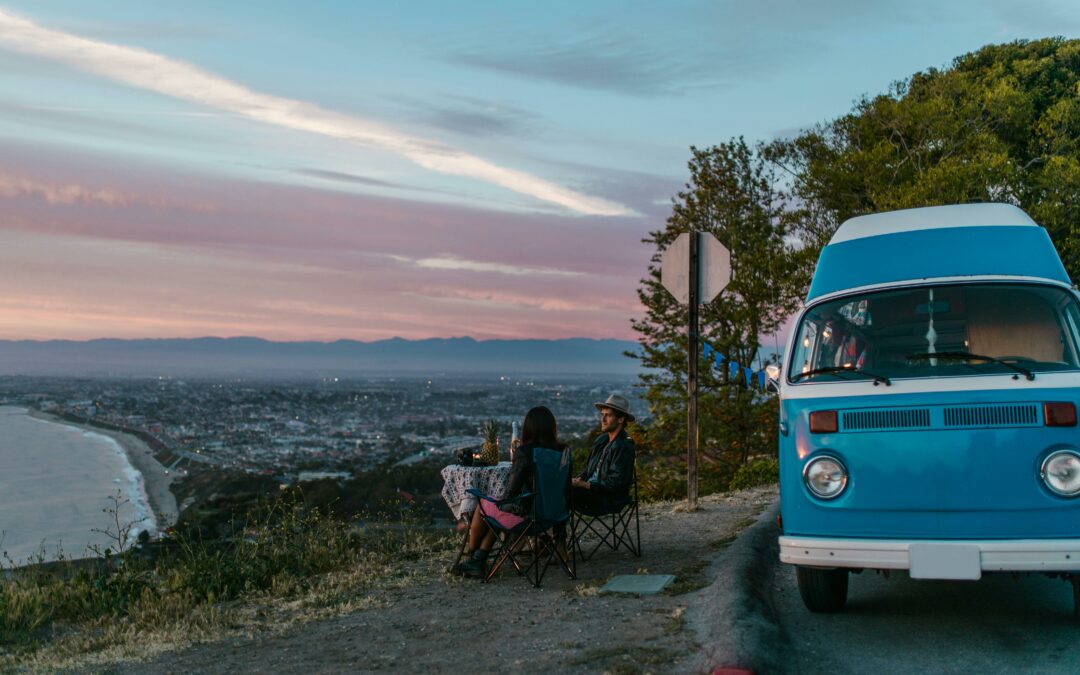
x=155 y=478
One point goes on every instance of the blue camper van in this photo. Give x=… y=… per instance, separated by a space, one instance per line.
x=928 y=404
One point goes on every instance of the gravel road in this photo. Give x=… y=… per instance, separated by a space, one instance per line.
x=1000 y=624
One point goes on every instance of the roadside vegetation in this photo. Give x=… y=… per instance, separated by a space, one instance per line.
x=284 y=561
x=1000 y=124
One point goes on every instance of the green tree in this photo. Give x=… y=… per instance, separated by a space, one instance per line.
x=1001 y=124
x=734 y=194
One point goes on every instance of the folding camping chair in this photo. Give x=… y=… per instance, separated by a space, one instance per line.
x=547 y=520
x=610 y=525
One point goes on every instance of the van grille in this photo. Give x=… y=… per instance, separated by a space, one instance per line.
x=1022 y=415
x=896 y=418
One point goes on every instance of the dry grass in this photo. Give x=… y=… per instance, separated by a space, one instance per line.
x=297 y=569
x=369 y=584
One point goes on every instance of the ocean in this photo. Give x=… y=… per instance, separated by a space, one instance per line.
x=56 y=482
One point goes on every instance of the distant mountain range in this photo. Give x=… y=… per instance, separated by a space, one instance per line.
x=255 y=357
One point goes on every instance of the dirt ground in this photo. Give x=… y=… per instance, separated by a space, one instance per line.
x=449 y=624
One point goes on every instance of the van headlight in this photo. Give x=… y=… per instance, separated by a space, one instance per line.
x=1061 y=472
x=825 y=476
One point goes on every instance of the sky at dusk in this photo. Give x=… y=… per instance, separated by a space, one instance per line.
x=324 y=170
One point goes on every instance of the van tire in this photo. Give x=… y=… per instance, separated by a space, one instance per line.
x=822 y=590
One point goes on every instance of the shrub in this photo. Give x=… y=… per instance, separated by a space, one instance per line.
x=665 y=478
x=757 y=472
x=282 y=539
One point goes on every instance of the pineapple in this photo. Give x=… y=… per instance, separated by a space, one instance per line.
x=489 y=454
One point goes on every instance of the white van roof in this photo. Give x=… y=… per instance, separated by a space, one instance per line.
x=966 y=240
x=931 y=217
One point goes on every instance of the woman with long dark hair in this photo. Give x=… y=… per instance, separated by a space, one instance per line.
x=539 y=430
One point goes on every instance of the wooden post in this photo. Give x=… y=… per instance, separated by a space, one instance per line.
x=691 y=376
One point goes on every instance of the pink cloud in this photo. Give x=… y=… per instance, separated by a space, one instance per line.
x=134 y=251
x=16 y=186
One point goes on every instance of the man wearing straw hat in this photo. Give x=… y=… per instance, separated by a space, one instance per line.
x=609 y=471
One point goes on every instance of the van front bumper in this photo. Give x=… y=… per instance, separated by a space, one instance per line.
x=934 y=558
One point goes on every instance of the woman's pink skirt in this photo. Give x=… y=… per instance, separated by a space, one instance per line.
x=504 y=518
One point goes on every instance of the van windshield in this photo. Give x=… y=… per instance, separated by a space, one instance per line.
x=939 y=331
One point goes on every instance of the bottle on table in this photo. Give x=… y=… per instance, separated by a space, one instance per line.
x=514 y=442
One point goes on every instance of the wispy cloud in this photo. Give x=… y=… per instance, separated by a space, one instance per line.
x=455 y=263
x=613 y=64
x=342 y=177
x=81 y=287
x=322 y=229
x=153 y=72
x=19 y=186
x=13 y=185
x=477 y=117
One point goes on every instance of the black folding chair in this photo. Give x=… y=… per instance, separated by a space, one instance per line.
x=544 y=526
x=609 y=524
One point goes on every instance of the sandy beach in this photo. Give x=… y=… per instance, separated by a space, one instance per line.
x=156 y=479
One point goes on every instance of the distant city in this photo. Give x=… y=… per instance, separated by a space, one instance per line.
x=292 y=428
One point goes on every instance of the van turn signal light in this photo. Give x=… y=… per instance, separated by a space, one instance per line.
x=1059 y=414
x=825 y=422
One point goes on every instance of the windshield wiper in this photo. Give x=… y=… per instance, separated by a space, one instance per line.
x=832 y=370
x=949 y=356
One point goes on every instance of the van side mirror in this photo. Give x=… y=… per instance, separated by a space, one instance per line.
x=772 y=372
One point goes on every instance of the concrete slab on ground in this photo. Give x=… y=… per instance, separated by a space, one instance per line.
x=638 y=584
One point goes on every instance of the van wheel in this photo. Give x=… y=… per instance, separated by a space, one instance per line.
x=822 y=590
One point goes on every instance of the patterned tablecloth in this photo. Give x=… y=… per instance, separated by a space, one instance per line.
x=491 y=480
